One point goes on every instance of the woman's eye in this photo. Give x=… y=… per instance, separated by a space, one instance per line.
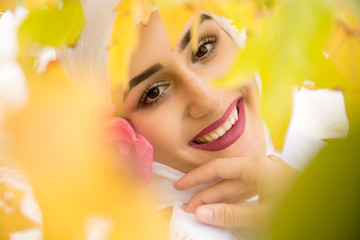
x=153 y=93
x=203 y=50
x=205 y=47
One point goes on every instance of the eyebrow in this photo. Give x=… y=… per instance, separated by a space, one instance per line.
x=187 y=37
x=157 y=67
x=144 y=75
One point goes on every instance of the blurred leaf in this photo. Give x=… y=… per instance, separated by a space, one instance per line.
x=35 y=4
x=355 y=6
x=73 y=175
x=146 y=9
x=324 y=203
x=352 y=104
x=12 y=218
x=342 y=68
x=242 y=13
x=124 y=41
x=344 y=48
x=284 y=54
x=53 y=27
x=174 y=16
x=7 y=5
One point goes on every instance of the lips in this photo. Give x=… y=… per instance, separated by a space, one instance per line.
x=224 y=131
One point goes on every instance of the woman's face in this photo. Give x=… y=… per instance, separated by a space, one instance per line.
x=171 y=101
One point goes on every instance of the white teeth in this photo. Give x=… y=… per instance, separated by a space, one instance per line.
x=235 y=115
x=220 y=131
x=208 y=138
x=227 y=125
x=214 y=136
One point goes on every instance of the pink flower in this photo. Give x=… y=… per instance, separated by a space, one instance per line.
x=134 y=147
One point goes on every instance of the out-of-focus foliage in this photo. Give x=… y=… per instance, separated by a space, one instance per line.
x=35 y=4
x=62 y=26
x=47 y=25
x=7 y=5
x=284 y=51
x=286 y=41
x=56 y=139
x=344 y=53
x=324 y=203
x=355 y=5
x=73 y=175
x=122 y=45
x=12 y=218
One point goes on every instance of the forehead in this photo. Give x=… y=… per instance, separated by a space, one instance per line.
x=152 y=39
x=153 y=43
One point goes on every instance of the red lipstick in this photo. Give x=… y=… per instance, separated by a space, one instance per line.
x=230 y=136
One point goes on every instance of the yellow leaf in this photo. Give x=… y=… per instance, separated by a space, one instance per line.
x=174 y=16
x=276 y=106
x=55 y=139
x=147 y=7
x=195 y=22
x=12 y=218
x=344 y=49
x=124 y=41
x=242 y=13
x=7 y=5
x=35 y=4
x=284 y=52
x=344 y=54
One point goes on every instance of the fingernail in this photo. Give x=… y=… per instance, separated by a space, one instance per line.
x=204 y=214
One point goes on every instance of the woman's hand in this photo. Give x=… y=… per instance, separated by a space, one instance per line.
x=241 y=178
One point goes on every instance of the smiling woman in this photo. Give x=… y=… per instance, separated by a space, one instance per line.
x=210 y=145
x=172 y=103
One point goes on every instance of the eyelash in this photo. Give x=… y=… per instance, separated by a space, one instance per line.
x=212 y=39
x=143 y=99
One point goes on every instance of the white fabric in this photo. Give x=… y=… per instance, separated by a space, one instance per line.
x=238 y=37
x=13 y=89
x=183 y=225
x=317 y=115
x=87 y=61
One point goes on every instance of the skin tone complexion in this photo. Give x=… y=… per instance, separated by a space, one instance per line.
x=208 y=133
x=171 y=101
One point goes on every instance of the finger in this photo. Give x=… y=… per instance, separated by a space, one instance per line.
x=228 y=215
x=224 y=190
x=245 y=196
x=225 y=168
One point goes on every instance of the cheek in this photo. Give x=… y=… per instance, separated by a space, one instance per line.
x=255 y=125
x=252 y=142
x=149 y=126
x=156 y=126
x=255 y=137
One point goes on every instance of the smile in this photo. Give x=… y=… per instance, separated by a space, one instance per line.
x=224 y=131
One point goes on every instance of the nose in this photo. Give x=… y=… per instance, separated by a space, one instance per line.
x=201 y=98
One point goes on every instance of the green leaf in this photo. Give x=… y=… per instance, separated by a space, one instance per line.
x=285 y=53
x=324 y=203
x=53 y=27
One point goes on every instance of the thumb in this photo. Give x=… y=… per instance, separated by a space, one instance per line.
x=227 y=215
